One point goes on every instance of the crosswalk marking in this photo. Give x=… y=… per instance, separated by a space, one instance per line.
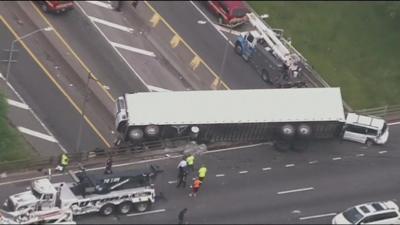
x=111 y=24
x=17 y=104
x=37 y=134
x=133 y=49
x=101 y=4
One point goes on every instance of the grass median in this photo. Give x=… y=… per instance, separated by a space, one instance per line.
x=353 y=45
x=12 y=145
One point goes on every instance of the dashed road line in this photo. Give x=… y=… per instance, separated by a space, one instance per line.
x=148 y=212
x=157 y=89
x=17 y=104
x=289 y=165
x=266 y=168
x=172 y=182
x=394 y=123
x=317 y=216
x=220 y=175
x=295 y=190
x=382 y=152
x=101 y=4
x=37 y=134
x=133 y=49
x=111 y=24
x=244 y=171
x=337 y=158
x=313 y=162
x=360 y=155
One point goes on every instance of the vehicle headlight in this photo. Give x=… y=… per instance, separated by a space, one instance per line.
x=135 y=134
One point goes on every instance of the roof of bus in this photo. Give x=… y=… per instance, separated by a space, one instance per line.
x=235 y=106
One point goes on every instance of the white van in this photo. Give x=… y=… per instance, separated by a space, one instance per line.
x=365 y=129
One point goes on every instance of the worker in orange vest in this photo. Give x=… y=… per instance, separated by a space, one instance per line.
x=195 y=187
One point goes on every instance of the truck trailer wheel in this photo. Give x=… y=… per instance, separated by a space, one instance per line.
x=125 y=207
x=265 y=76
x=238 y=49
x=142 y=206
x=107 y=210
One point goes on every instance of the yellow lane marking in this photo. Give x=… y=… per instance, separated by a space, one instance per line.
x=54 y=81
x=74 y=54
x=184 y=42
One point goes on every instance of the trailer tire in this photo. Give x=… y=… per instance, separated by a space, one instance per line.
x=265 y=76
x=238 y=49
x=142 y=206
x=44 y=7
x=125 y=207
x=369 y=142
x=107 y=209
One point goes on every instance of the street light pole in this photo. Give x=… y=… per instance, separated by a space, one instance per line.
x=19 y=39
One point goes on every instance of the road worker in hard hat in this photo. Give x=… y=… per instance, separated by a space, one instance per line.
x=190 y=162
x=202 y=172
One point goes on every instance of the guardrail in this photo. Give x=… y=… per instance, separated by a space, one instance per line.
x=38 y=163
x=388 y=112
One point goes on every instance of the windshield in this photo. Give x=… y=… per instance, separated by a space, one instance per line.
x=352 y=215
x=239 y=12
x=8 y=205
x=384 y=128
x=36 y=194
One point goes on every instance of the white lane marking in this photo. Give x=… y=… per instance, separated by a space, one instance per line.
x=33 y=113
x=213 y=25
x=234 y=148
x=37 y=134
x=17 y=104
x=131 y=163
x=158 y=89
x=289 y=165
x=244 y=171
x=172 y=182
x=337 y=158
x=382 y=152
x=360 y=155
x=133 y=49
x=295 y=190
x=115 y=49
x=394 y=123
x=317 y=216
x=313 y=162
x=266 y=168
x=220 y=175
x=101 y=4
x=110 y=24
x=148 y=212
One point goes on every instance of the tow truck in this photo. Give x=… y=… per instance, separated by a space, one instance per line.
x=265 y=51
x=88 y=193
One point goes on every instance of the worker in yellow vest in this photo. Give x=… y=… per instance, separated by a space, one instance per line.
x=202 y=172
x=64 y=161
x=190 y=162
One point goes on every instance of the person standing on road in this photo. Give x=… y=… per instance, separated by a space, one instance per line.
x=182 y=178
x=181 y=216
x=190 y=162
x=182 y=166
x=108 y=169
x=64 y=161
x=202 y=172
x=195 y=187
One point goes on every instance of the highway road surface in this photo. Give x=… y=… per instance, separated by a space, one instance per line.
x=261 y=185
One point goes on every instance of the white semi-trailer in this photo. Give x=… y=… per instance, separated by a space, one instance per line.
x=235 y=115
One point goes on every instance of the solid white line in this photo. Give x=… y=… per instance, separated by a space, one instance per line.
x=101 y=4
x=133 y=49
x=213 y=25
x=148 y=212
x=266 y=168
x=110 y=24
x=234 y=148
x=244 y=171
x=295 y=190
x=172 y=182
x=17 y=104
x=382 y=152
x=337 y=158
x=127 y=164
x=313 y=162
x=115 y=49
x=394 y=123
x=158 y=89
x=220 y=175
x=37 y=134
x=360 y=155
x=289 y=165
x=317 y=216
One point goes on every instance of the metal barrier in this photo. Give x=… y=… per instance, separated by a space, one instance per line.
x=388 y=112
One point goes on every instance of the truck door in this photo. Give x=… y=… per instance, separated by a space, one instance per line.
x=355 y=133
